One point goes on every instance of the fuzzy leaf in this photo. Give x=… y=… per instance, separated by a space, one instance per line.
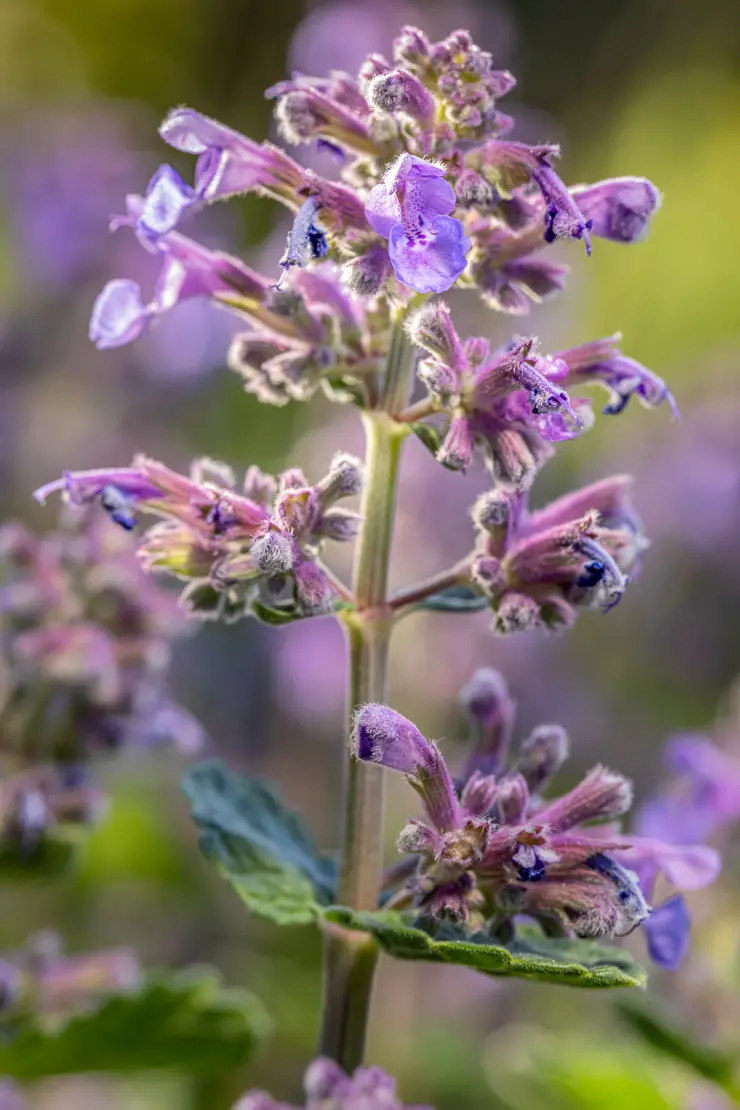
x=51 y=856
x=183 y=1020
x=260 y=848
x=530 y=956
x=456 y=599
x=427 y=434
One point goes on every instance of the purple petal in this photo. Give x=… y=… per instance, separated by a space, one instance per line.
x=433 y=261
x=167 y=197
x=667 y=930
x=382 y=210
x=118 y=315
x=383 y=736
x=191 y=132
x=621 y=208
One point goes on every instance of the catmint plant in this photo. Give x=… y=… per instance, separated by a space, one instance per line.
x=433 y=194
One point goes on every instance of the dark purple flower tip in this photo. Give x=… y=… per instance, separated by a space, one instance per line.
x=668 y=931
x=306 y=241
x=167 y=198
x=619 y=209
x=383 y=736
x=122 y=487
x=119 y=316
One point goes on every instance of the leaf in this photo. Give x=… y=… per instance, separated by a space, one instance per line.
x=54 y=854
x=427 y=434
x=661 y=1033
x=275 y=615
x=183 y=1020
x=530 y=956
x=260 y=848
x=456 y=599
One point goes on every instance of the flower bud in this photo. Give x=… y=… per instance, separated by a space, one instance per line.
x=399 y=91
x=366 y=274
x=375 y=65
x=340 y=525
x=432 y=329
x=486 y=572
x=345 y=478
x=272 y=553
x=490 y=710
x=512 y=800
x=619 y=209
x=516 y=612
x=491 y=510
x=473 y=191
x=511 y=461
x=458 y=446
x=411 y=47
x=259 y=486
x=479 y=794
x=541 y=755
x=601 y=796
x=416 y=838
x=312 y=586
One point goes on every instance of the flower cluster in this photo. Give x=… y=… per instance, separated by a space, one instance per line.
x=84 y=644
x=512 y=404
x=491 y=848
x=328 y=1087
x=41 y=979
x=431 y=192
x=233 y=546
x=538 y=568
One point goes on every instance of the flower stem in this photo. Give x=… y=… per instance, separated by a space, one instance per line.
x=350 y=956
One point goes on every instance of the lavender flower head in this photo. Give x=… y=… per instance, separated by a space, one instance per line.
x=328 y=1087
x=491 y=849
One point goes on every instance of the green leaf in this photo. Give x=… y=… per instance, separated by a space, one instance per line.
x=183 y=1020
x=428 y=434
x=260 y=848
x=530 y=956
x=456 y=599
x=661 y=1033
x=286 y=614
x=50 y=857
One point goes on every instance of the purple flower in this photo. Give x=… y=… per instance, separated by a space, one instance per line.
x=329 y=1087
x=602 y=362
x=491 y=849
x=188 y=270
x=167 y=198
x=229 y=163
x=620 y=208
x=427 y=247
x=667 y=931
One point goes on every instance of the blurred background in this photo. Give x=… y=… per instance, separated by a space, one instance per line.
x=640 y=87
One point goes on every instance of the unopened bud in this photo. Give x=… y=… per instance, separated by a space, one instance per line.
x=601 y=796
x=272 y=553
x=345 y=478
x=512 y=800
x=259 y=486
x=418 y=839
x=516 y=612
x=367 y=273
x=486 y=572
x=541 y=755
x=491 y=510
x=511 y=460
x=458 y=446
x=479 y=794
x=399 y=91
x=432 y=329
x=312 y=586
x=411 y=47
x=473 y=191
x=373 y=66
x=339 y=524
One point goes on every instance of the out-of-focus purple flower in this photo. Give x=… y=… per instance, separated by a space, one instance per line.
x=411 y=207
x=328 y=1087
x=619 y=209
x=602 y=363
x=667 y=931
x=491 y=849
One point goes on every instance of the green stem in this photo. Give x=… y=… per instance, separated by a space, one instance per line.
x=351 y=957
x=401 y=356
